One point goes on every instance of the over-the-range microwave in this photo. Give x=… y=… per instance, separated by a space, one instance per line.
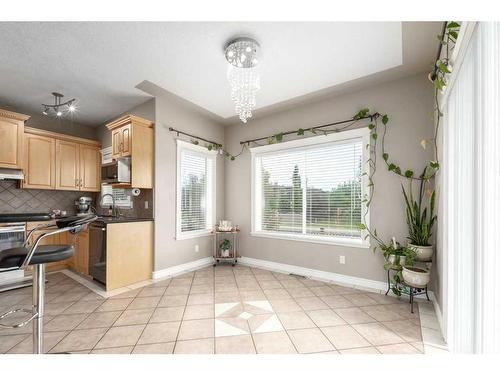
x=117 y=171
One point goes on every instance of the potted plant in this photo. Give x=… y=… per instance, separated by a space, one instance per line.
x=416 y=276
x=224 y=248
x=395 y=255
x=420 y=218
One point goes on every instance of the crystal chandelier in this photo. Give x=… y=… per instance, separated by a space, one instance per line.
x=243 y=75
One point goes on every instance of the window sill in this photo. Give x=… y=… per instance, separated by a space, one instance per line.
x=313 y=239
x=190 y=235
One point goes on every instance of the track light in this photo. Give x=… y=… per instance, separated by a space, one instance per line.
x=58 y=106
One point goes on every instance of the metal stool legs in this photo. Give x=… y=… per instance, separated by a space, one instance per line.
x=38 y=307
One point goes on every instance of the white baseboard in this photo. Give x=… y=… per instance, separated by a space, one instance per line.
x=182 y=268
x=439 y=314
x=350 y=281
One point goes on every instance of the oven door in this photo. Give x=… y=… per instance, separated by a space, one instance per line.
x=11 y=235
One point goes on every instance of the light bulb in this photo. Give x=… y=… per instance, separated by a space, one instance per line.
x=58 y=113
x=71 y=108
x=248 y=49
x=243 y=57
x=230 y=53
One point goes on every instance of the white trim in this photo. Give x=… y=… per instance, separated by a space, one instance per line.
x=439 y=314
x=312 y=141
x=182 y=268
x=211 y=184
x=339 y=241
x=360 y=133
x=337 y=278
x=457 y=58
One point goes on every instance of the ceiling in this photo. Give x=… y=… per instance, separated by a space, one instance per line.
x=100 y=64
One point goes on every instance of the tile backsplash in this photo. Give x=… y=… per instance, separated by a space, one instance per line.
x=13 y=199
x=138 y=205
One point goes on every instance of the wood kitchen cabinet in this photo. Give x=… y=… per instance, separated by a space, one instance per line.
x=60 y=162
x=80 y=261
x=39 y=162
x=11 y=139
x=134 y=136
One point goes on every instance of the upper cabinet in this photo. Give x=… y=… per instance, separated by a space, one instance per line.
x=60 y=162
x=11 y=136
x=39 y=162
x=134 y=136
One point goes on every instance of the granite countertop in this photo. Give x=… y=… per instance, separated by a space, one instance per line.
x=122 y=219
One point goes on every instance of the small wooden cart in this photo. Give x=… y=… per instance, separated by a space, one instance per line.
x=233 y=251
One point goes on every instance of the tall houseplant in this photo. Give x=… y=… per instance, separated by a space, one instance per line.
x=420 y=218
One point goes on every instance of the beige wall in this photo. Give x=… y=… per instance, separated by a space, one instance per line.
x=408 y=102
x=178 y=113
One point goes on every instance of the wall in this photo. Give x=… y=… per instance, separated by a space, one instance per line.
x=409 y=104
x=176 y=112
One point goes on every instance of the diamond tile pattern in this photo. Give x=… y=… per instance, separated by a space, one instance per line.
x=226 y=309
x=17 y=200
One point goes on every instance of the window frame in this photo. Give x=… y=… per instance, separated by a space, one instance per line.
x=360 y=133
x=211 y=191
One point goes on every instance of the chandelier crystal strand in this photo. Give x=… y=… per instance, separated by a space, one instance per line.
x=245 y=82
x=243 y=75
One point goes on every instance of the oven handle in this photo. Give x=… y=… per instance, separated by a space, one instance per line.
x=12 y=230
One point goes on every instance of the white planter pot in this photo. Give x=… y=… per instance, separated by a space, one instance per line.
x=423 y=253
x=393 y=260
x=416 y=277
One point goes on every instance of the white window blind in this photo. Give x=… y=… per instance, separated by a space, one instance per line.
x=195 y=190
x=313 y=191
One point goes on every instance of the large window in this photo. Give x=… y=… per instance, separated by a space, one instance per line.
x=195 y=190
x=311 y=189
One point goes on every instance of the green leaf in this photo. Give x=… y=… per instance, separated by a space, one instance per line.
x=385 y=119
x=374 y=135
x=452 y=25
x=195 y=142
x=371 y=126
x=397 y=170
x=270 y=140
x=454 y=34
x=443 y=67
x=385 y=156
x=209 y=147
x=434 y=164
x=232 y=158
x=409 y=173
x=313 y=131
x=362 y=113
x=278 y=137
x=440 y=83
x=300 y=131
x=362 y=226
x=392 y=167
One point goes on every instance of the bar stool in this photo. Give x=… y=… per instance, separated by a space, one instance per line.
x=38 y=256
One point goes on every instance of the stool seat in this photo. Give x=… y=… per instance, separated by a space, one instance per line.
x=15 y=256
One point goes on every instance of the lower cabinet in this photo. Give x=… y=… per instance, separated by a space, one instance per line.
x=81 y=256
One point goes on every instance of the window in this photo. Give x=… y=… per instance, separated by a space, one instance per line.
x=311 y=189
x=195 y=190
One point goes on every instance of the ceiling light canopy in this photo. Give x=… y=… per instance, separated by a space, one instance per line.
x=59 y=109
x=242 y=74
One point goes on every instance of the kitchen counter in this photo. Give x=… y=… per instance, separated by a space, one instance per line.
x=115 y=220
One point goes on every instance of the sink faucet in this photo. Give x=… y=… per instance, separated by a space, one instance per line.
x=115 y=212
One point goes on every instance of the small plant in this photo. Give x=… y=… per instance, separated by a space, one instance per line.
x=420 y=217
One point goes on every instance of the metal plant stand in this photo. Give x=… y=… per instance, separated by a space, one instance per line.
x=233 y=252
x=405 y=288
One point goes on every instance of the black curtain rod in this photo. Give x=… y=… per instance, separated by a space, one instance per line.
x=193 y=136
x=371 y=117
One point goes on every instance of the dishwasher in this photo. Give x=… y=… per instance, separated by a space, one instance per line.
x=97 y=251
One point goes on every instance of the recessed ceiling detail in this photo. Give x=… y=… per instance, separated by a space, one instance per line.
x=101 y=63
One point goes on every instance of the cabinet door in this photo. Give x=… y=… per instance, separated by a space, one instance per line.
x=126 y=148
x=67 y=165
x=116 y=140
x=82 y=253
x=11 y=138
x=90 y=168
x=39 y=162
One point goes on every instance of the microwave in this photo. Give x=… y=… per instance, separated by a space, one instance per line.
x=118 y=171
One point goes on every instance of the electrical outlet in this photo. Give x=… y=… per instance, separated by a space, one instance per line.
x=196 y=248
x=146 y=205
x=342 y=259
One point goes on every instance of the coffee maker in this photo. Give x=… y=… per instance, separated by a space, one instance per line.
x=83 y=206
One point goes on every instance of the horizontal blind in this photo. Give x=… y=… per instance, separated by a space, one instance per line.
x=313 y=190
x=193 y=176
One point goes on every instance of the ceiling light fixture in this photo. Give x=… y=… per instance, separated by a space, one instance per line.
x=58 y=107
x=242 y=74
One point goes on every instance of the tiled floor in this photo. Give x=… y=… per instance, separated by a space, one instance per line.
x=219 y=310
